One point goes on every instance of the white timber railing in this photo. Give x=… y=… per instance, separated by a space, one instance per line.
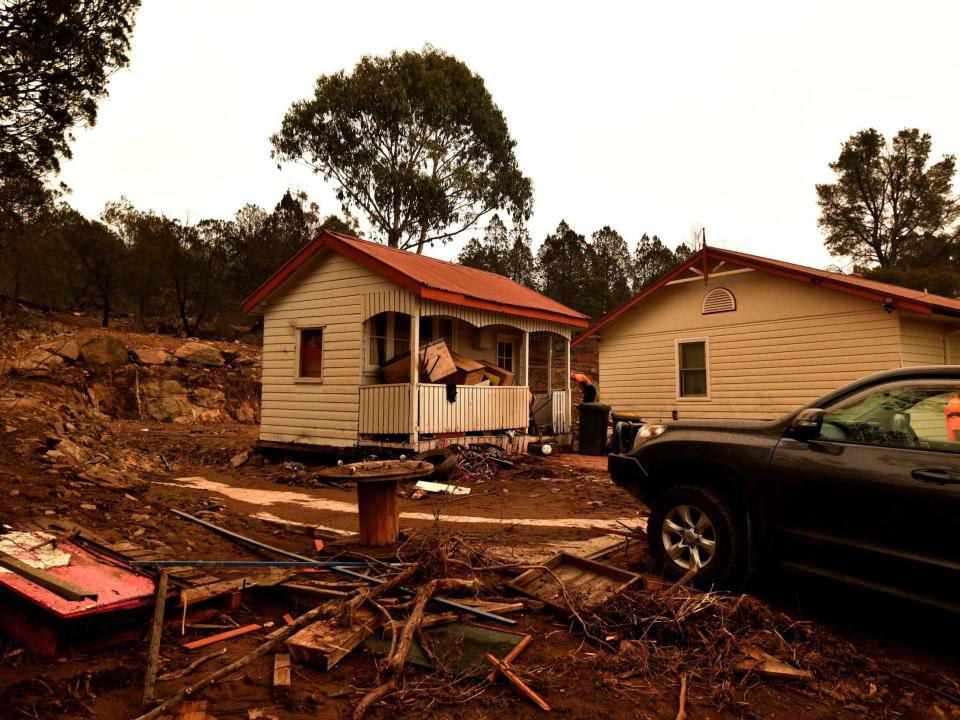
x=385 y=409
x=561 y=422
x=476 y=408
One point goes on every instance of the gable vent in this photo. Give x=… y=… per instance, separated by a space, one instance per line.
x=719 y=300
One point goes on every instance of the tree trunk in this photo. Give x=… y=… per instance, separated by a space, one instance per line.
x=105 y=322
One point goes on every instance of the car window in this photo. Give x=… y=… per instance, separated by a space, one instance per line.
x=923 y=415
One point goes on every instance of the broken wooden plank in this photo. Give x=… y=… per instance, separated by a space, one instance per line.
x=511 y=656
x=64 y=589
x=203 y=642
x=281 y=676
x=325 y=643
x=515 y=679
x=312 y=591
x=156 y=630
x=757 y=660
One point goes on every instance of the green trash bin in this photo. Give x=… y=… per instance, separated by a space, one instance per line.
x=593 y=428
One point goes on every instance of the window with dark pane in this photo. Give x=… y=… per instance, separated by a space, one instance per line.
x=445 y=331
x=378 y=339
x=426 y=330
x=311 y=353
x=693 y=369
x=401 y=334
x=505 y=355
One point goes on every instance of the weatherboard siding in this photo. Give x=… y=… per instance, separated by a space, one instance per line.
x=784 y=345
x=329 y=292
x=922 y=341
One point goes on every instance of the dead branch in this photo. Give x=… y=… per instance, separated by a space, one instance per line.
x=682 y=711
x=327 y=610
x=191 y=667
x=399 y=656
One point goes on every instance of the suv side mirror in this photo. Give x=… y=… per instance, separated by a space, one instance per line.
x=806 y=424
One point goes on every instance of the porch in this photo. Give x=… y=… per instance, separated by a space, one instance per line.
x=480 y=411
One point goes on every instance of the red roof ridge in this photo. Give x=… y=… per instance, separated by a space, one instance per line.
x=427 y=277
x=902 y=297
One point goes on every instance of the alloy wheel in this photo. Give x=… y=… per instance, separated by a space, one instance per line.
x=689 y=537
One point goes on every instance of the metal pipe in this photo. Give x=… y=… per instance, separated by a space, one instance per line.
x=320 y=564
x=239 y=538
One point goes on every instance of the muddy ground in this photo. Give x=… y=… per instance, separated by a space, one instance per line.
x=869 y=657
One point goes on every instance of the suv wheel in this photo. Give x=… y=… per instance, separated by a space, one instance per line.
x=690 y=525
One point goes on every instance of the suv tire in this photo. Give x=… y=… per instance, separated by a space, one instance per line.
x=691 y=522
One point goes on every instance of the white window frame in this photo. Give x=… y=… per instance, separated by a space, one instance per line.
x=369 y=367
x=513 y=341
x=298 y=335
x=676 y=368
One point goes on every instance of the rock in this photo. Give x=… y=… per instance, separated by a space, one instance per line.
x=240 y=459
x=166 y=401
x=213 y=416
x=36 y=363
x=67 y=348
x=196 y=353
x=150 y=356
x=104 y=350
x=87 y=506
x=14 y=493
x=111 y=479
x=75 y=454
x=208 y=398
x=245 y=413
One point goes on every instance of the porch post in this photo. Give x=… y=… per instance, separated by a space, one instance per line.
x=550 y=369
x=526 y=358
x=569 y=400
x=414 y=375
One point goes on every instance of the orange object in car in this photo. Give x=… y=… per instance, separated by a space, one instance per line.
x=952 y=415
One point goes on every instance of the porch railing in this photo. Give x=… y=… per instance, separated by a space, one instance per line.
x=385 y=409
x=476 y=408
x=561 y=422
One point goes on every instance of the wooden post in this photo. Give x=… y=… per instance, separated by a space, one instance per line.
x=379 y=512
x=414 y=378
x=281 y=675
x=550 y=369
x=156 y=630
x=526 y=358
x=569 y=401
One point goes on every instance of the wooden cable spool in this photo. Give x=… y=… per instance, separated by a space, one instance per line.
x=378 y=482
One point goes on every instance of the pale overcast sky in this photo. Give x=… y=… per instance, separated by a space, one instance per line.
x=649 y=117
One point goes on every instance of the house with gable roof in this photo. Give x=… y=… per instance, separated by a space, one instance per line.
x=727 y=335
x=342 y=307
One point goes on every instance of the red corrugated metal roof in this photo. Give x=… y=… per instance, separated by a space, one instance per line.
x=428 y=278
x=901 y=297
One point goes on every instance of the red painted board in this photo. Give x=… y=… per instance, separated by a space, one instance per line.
x=116 y=587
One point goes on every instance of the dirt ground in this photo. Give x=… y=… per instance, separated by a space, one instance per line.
x=869 y=657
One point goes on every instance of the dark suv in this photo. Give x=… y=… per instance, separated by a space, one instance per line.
x=862 y=485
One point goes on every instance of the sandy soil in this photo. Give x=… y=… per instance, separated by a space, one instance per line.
x=553 y=504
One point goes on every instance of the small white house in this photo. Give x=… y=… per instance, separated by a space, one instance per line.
x=342 y=306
